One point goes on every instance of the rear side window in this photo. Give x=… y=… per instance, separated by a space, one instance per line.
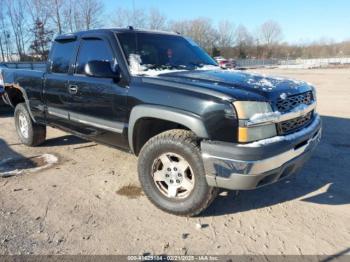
x=93 y=49
x=61 y=56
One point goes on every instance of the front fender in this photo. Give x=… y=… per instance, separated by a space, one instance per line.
x=187 y=119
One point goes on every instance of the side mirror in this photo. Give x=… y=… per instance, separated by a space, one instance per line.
x=101 y=69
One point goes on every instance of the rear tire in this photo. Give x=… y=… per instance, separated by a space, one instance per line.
x=29 y=133
x=172 y=175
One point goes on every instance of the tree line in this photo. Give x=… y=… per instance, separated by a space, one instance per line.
x=27 y=28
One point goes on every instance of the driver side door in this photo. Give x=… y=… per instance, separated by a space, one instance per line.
x=98 y=105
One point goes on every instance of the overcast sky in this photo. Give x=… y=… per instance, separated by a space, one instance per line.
x=301 y=20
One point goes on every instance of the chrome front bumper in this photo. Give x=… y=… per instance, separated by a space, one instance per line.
x=242 y=167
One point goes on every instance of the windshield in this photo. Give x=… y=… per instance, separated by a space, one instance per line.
x=158 y=52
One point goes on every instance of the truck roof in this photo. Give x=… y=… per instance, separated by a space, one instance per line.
x=114 y=30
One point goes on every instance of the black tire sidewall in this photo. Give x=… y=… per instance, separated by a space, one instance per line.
x=191 y=153
x=21 y=108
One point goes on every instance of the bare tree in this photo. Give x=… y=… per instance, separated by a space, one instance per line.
x=122 y=18
x=16 y=12
x=269 y=36
x=6 y=39
x=91 y=12
x=156 y=21
x=78 y=15
x=135 y=17
x=226 y=31
x=68 y=14
x=38 y=10
x=41 y=41
x=200 y=30
x=2 y=36
x=77 y=19
x=181 y=27
x=41 y=33
x=244 y=41
x=270 y=33
x=56 y=14
x=2 y=49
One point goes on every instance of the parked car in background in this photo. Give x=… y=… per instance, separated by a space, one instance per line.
x=233 y=62
x=194 y=127
x=225 y=63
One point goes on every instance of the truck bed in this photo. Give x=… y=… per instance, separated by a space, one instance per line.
x=39 y=66
x=17 y=79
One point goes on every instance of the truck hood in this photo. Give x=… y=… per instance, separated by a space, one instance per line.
x=239 y=85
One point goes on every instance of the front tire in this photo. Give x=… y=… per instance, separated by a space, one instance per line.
x=29 y=133
x=172 y=174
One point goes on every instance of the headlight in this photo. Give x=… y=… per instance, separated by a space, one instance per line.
x=245 y=111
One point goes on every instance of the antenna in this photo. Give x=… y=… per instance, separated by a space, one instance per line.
x=133 y=11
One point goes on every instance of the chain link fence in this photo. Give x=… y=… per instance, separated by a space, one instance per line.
x=296 y=63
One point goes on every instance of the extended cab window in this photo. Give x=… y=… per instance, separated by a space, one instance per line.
x=61 y=56
x=93 y=49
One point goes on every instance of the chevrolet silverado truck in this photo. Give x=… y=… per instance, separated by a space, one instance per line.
x=194 y=127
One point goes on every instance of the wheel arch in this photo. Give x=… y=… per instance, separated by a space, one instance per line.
x=15 y=94
x=163 y=115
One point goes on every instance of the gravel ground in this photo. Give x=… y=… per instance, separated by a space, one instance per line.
x=90 y=201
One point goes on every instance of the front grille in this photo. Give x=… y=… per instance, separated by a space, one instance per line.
x=288 y=104
x=285 y=105
x=293 y=125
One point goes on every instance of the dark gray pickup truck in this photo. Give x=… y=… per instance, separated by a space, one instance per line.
x=194 y=126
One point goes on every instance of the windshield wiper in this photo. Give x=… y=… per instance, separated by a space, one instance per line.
x=200 y=65
x=196 y=64
x=189 y=66
x=163 y=67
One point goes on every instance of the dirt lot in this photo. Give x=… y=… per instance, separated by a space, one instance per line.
x=73 y=206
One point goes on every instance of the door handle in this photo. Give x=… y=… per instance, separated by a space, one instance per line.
x=73 y=89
